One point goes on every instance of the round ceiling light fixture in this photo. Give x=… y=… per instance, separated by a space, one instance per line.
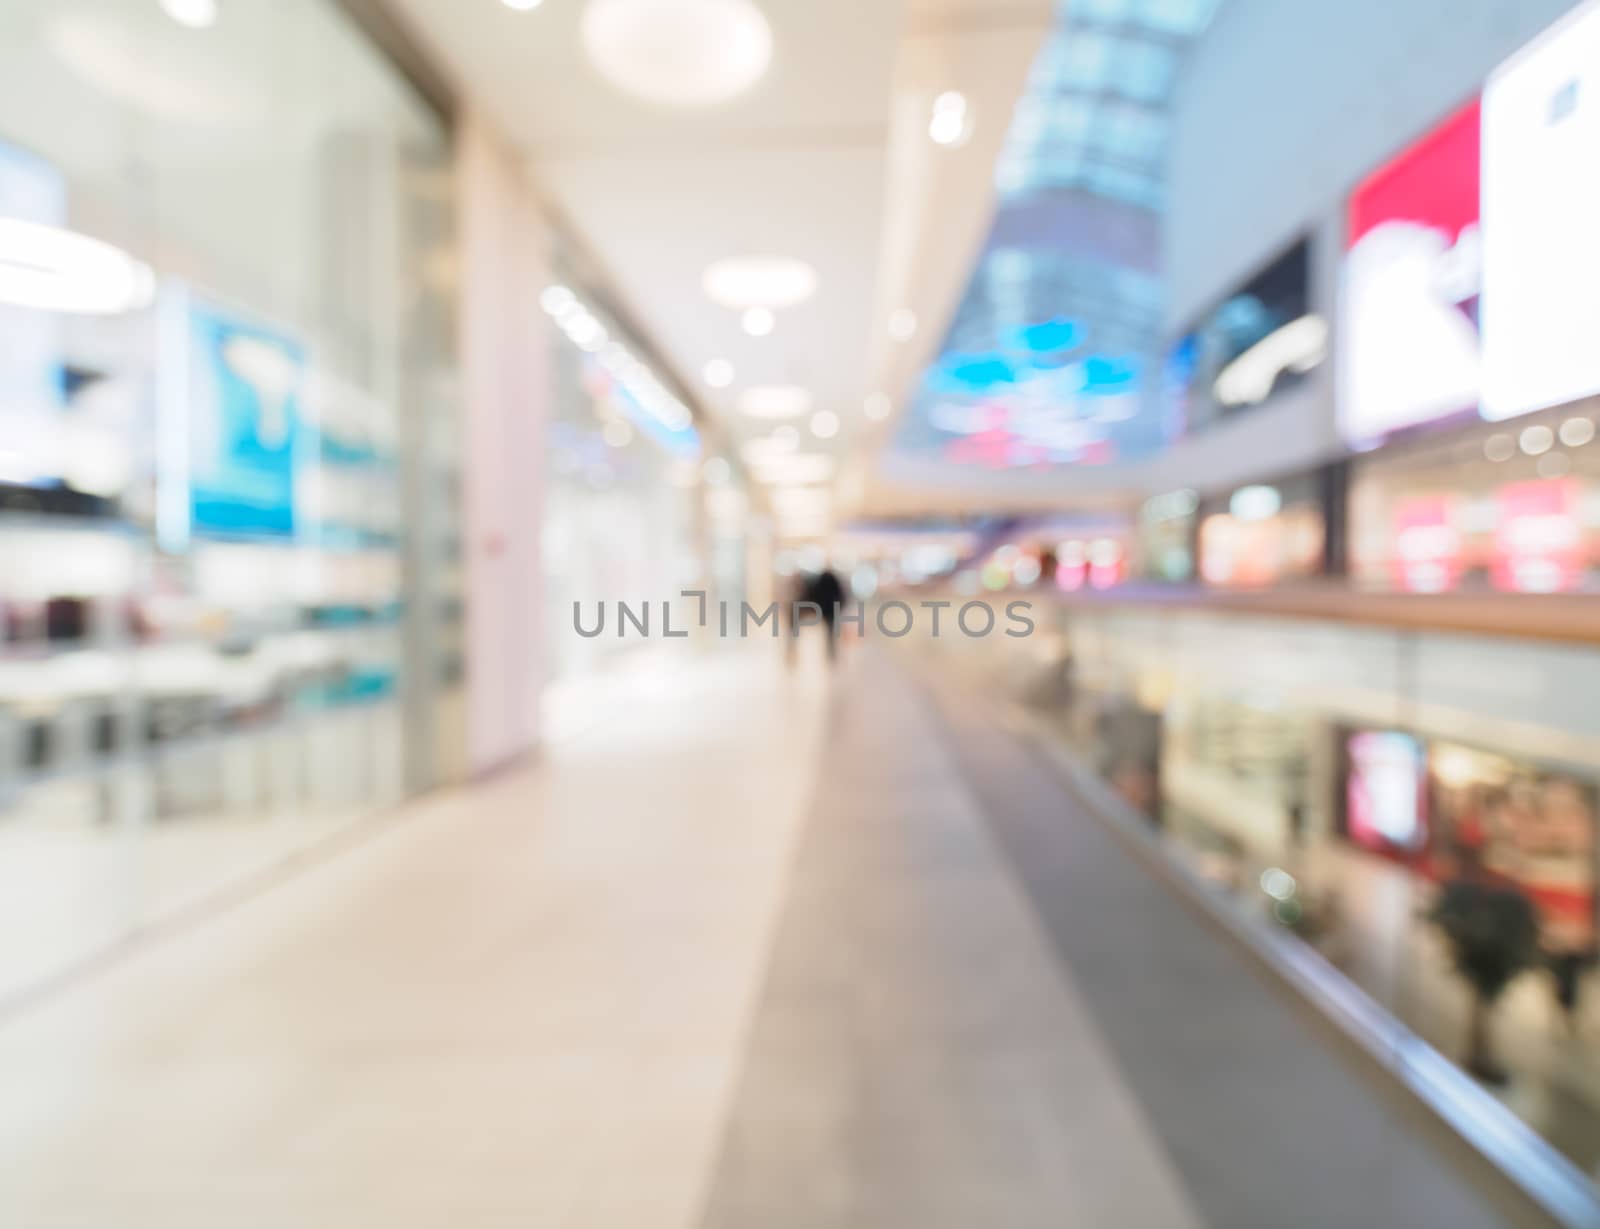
x=796 y=469
x=767 y=449
x=903 y=324
x=1537 y=440
x=758 y=321
x=718 y=373
x=678 y=53
x=775 y=401
x=773 y=282
x=1576 y=432
x=138 y=63
x=195 y=14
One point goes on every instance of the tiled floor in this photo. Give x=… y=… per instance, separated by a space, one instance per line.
x=522 y=1005
x=918 y=1058
x=744 y=950
x=84 y=862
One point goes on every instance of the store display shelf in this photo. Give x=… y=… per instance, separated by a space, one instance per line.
x=97 y=768
x=15 y=521
x=42 y=652
x=329 y=622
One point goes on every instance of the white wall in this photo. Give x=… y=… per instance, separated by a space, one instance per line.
x=1284 y=106
x=505 y=404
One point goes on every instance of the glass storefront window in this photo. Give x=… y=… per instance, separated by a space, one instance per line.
x=225 y=373
x=625 y=512
x=1264 y=534
x=1513 y=507
x=1167 y=536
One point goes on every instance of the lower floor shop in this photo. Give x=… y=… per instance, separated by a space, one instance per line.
x=1421 y=808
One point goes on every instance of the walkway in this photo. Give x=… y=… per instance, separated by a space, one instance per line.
x=707 y=966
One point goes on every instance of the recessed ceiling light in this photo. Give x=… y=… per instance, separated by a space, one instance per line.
x=949 y=126
x=140 y=64
x=766 y=449
x=718 y=373
x=678 y=53
x=801 y=500
x=1576 y=432
x=758 y=321
x=522 y=6
x=796 y=470
x=775 y=401
x=759 y=281
x=196 y=14
x=1537 y=439
x=824 y=424
x=557 y=299
x=586 y=332
x=878 y=406
x=903 y=324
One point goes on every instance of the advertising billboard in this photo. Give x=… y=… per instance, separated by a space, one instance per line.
x=1429 y=553
x=1409 y=335
x=246 y=383
x=1258 y=341
x=1538 y=537
x=1386 y=791
x=1541 y=222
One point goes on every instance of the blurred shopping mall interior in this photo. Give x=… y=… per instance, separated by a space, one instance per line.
x=801 y=614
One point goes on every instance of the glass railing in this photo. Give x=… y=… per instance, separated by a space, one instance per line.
x=1419 y=807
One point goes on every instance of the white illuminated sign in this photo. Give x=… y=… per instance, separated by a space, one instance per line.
x=1541 y=222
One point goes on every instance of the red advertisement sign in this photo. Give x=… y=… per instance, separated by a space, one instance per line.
x=1538 y=539
x=1409 y=310
x=1428 y=552
x=1434 y=183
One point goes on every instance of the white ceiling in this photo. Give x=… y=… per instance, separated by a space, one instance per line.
x=821 y=160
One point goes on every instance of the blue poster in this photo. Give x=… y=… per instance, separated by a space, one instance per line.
x=246 y=385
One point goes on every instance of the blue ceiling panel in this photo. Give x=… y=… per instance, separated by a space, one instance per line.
x=1048 y=358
